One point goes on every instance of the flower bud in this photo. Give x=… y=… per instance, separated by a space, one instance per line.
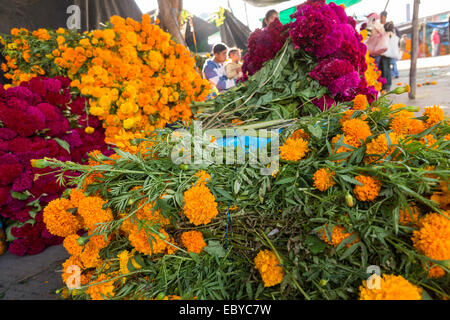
x=39 y=163
x=412 y=109
x=349 y=199
x=89 y=130
x=82 y=240
x=400 y=90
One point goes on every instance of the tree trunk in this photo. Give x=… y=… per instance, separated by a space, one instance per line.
x=414 y=50
x=170 y=18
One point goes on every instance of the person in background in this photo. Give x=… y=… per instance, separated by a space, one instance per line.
x=435 y=42
x=392 y=52
x=234 y=68
x=402 y=45
x=383 y=17
x=270 y=16
x=214 y=69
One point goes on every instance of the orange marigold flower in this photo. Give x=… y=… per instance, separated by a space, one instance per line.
x=58 y=220
x=428 y=141
x=357 y=129
x=369 y=190
x=200 y=205
x=379 y=146
x=323 y=179
x=203 y=176
x=360 y=102
x=300 y=134
x=193 y=241
x=434 y=114
x=141 y=243
x=338 y=234
x=433 y=237
x=294 y=149
x=268 y=265
x=442 y=197
x=90 y=208
x=70 y=267
x=90 y=256
x=103 y=290
x=409 y=215
x=76 y=195
x=71 y=245
x=436 y=272
x=391 y=288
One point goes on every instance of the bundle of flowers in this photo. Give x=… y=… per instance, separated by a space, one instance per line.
x=355 y=188
x=263 y=45
x=293 y=70
x=40 y=118
x=136 y=78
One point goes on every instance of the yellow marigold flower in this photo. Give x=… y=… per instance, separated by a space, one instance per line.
x=58 y=220
x=433 y=237
x=89 y=130
x=369 y=190
x=193 y=241
x=391 y=288
x=434 y=114
x=200 y=205
x=71 y=245
x=360 y=102
x=102 y=290
x=338 y=234
x=124 y=258
x=379 y=146
x=357 y=129
x=90 y=208
x=409 y=215
x=323 y=179
x=268 y=265
x=294 y=149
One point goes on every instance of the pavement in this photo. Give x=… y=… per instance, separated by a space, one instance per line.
x=37 y=277
x=34 y=277
x=428 y=69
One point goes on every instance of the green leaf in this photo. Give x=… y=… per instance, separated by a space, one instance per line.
x=63 y=144
x=426 y=296
x=315 y=244
x=215 y=249
x=224 y=194
x=351 y=180
x=316 y=131
x=285 y=180
x=19 y=195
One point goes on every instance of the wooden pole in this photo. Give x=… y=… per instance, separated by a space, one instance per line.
x=414 y=50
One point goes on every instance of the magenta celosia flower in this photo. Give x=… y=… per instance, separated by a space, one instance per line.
x=32 y=118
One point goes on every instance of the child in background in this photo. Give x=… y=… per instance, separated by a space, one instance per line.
x=234 y=68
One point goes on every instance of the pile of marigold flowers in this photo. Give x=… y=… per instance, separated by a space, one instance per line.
x=362 y=184
x=136 y=78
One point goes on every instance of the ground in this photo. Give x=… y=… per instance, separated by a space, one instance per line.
x=37 y=277
x=34 y=277
x=429 y=69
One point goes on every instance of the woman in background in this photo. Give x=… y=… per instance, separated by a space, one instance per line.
x=270 y=16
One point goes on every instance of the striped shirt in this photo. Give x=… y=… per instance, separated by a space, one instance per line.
x=215 y=72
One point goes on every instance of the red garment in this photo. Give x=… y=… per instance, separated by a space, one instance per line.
x=435 y=38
